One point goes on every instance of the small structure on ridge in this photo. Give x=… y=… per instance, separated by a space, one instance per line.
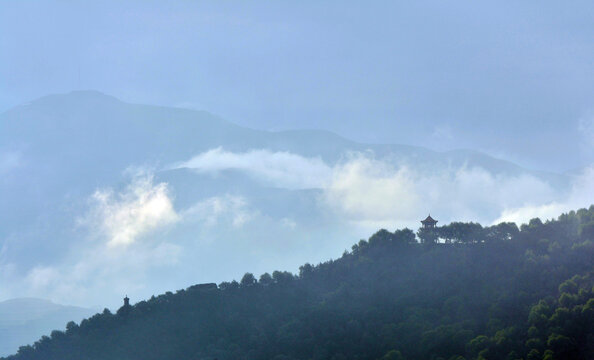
x=126 y=308
x=429 y=222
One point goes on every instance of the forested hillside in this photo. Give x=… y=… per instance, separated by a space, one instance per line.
x=489 y=293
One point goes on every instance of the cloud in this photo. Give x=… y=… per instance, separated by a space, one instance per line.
x=125 y=216
x=372 y=192
x=377 y=193
x=364 y=189
x=40 y=277
x=282 y=169
x=581 y=195
x=211 y=211
x=124 y=251
x=115 y=223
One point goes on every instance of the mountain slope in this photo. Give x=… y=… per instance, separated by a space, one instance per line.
x=488 y=297
x=24 y=320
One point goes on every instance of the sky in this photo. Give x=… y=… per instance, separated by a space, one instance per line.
x=513 y=79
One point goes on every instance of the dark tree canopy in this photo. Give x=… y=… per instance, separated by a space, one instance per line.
x=248 y=280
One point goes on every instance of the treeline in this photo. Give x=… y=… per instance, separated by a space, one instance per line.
x=467 y=233
x=497 y=292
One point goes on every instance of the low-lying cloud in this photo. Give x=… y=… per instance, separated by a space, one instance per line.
x=581 y=195
x=213 y=210
x=124 y=217
x=374 y=192
x=111 y=256
x=282 y=169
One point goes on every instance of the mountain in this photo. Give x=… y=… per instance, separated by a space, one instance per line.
x=77 y=168
x=24 y=320
x=70 y=144
x=495 y=292
x=88 y=121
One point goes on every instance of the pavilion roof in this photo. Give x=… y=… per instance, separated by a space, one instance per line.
x=429 y=219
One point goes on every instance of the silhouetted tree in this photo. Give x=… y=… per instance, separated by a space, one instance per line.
x=265 y=279
x=248 y=279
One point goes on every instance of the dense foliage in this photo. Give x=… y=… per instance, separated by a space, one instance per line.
x=488 y=293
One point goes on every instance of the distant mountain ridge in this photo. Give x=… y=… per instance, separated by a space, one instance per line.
x=24 y=320
x=90 y=119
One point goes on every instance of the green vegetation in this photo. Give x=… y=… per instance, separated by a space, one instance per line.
x=489 y=293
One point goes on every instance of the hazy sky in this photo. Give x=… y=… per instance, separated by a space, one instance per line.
x=511 y=78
